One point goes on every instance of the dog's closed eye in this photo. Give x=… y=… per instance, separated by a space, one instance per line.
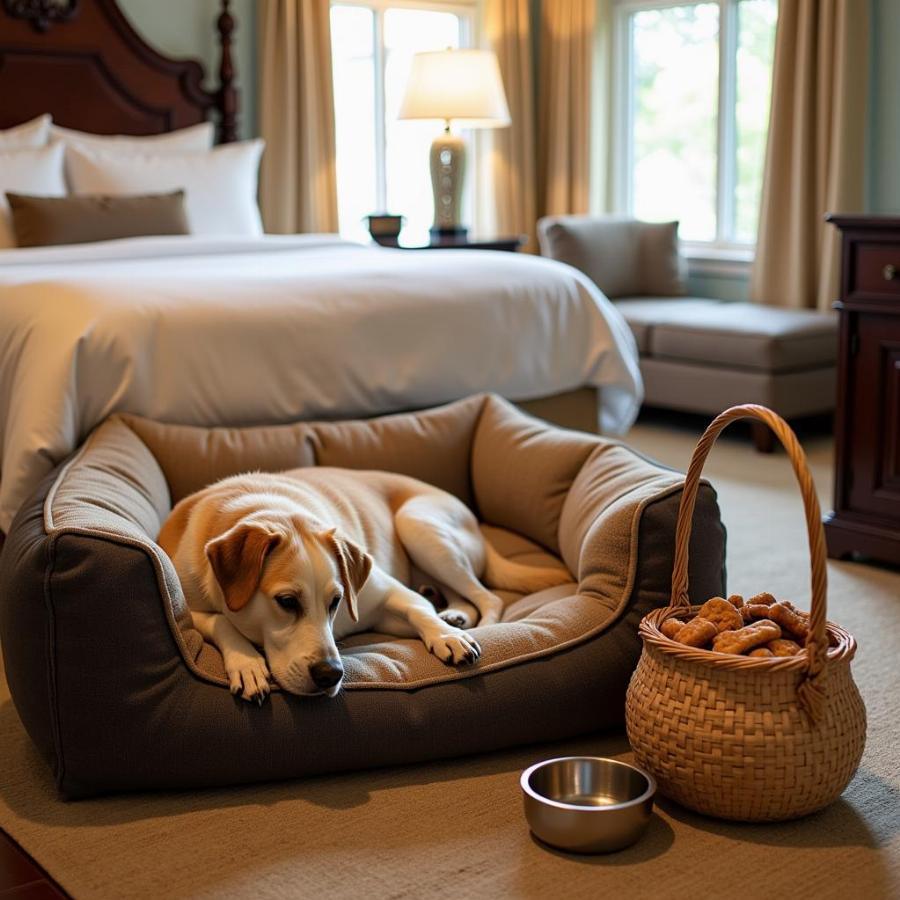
x=289 y=602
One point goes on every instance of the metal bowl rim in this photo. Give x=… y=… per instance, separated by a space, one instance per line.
x=526 y=787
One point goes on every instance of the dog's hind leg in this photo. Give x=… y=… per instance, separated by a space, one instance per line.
x=442 y=539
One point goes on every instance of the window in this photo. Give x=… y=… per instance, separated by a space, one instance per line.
x=692 y=114
x=382 y=163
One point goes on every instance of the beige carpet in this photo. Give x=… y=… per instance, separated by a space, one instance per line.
x=455 y=830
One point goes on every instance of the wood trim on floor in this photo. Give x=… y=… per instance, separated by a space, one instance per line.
x=21 y=878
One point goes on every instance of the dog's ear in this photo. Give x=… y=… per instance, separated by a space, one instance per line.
x=237 y=558
x=354 y=564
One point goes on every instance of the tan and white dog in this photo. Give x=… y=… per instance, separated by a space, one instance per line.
x=291 y=562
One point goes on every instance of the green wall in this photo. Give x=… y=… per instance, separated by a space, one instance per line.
x=188 y=28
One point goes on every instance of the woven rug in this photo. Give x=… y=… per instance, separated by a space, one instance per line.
x=456 y=829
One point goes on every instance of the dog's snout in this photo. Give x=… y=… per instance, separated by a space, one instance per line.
x=326 y=673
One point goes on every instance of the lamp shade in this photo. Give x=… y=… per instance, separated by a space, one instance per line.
x=464 y=85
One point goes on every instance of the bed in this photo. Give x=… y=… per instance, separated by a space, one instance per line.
x=222 y=330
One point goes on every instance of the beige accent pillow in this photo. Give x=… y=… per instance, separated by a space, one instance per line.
x=623 y=257
x=83 y=218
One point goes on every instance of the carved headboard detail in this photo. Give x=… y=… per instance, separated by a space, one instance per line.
x=83 y=62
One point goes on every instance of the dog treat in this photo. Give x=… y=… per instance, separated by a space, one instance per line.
x=783 y=647
x=789 y=621
x=753 y=611
x=671 y=627
x=765 y=598
x=793 y=609
x=746 y=638
x=763 y=652
x=721 y=613
x=736 y=600
x=699 y=632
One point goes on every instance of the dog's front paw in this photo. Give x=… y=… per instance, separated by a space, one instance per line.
x=248 y=675
x=455 y=647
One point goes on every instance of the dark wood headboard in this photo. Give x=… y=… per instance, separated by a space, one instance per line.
x=83 y=62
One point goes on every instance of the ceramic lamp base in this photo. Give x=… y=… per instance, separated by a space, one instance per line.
x=448 y=166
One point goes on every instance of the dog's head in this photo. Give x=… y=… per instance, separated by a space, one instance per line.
x=282 y=587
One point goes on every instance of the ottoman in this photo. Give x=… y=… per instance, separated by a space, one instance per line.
x=704 y=356
x=119 y=692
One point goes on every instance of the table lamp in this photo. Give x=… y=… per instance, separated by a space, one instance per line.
x=461 y=86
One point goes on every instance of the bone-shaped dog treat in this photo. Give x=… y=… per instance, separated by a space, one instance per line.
x=736 y=600
x=671 y=627
x=783 y=647
x=787 y=618
x=697 y=633
x=790 y=621
x=747 y=638
x=763 y=652
x=764 y=598
x=721 y=613
x=793 y=609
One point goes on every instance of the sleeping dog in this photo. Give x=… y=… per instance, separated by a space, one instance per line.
x=290 y=563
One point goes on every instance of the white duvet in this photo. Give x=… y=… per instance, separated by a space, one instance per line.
x=236 y=332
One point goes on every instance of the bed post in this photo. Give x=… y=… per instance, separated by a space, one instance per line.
x=227 y=100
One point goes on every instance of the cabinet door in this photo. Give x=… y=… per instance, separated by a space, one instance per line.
x=875 y=415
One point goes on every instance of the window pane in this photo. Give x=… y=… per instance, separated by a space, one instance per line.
x=353 y=64
x=409 y=31
x=756 y=43
x=675 y=97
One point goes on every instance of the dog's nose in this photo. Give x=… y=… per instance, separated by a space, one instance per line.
x=326 y=673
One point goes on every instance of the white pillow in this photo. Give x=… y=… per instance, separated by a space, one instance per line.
x=219 y=186
x=35 y=133
x=195 y=138
x=38 y=172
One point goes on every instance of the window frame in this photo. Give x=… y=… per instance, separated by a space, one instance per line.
x=467 y=10
x=722 y=255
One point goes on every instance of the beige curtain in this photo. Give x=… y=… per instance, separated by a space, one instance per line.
x=564 y=106
x=814 y=158
x=298 y=184
x=507 y=27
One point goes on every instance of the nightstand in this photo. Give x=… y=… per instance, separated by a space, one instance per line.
x=454 y=242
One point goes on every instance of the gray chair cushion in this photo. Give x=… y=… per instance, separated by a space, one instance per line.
x=643 y=313
x=745 y=335
x=623 y=257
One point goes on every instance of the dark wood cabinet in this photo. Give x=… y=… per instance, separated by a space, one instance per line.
x=866 y=515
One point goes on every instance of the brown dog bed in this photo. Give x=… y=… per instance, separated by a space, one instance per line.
x=119 y=692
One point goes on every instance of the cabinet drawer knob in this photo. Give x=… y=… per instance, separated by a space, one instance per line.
x=890 y=272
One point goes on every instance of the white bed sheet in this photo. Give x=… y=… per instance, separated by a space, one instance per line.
x=236 y=332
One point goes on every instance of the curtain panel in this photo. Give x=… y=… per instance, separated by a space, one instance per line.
x=815 y=151
x=298 y=180
x=541 y=164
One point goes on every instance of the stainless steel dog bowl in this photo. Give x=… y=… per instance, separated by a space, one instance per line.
x=587 y=804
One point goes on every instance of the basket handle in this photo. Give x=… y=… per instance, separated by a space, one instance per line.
x=811 y=689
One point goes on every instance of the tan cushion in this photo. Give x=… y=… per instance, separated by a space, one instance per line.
x=80 y=219
x=522 y=470
x=623 y=257
x=192 y=457
x=746 y=335
x=434 y=446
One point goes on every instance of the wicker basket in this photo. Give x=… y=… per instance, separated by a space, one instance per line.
x=751 y=739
